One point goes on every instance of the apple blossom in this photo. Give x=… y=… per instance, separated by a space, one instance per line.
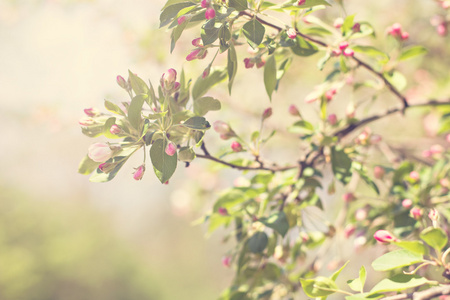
x=115 y=129
x=100 y=152
x=171 y=149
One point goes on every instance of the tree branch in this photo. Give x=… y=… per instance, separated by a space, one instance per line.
x=428 y=294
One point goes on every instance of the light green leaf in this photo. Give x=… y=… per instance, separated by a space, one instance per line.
x=399 y=282
x=348 y=24
x=396 y=79
x=164 y=165
x=336 y=274
x=258 y=242
x=231 y=66
x=253 y=31
x=303 y=47
x=363 y=175
x=396 y=259
x=341 y=165
x=301 y=127
x=176 y=34
x=371 y=51
x=135 y=110
x=210 y=32
x=137 y=84
x=411 y=52
x=170 y=12
x=270 y=75
x=87 y=166
x=318 y=287
x=205 y=104
x=358 y=284
x=229 y=199
x=197 y=123
x=435 y=237
x=278 y=222
x=113 y=108
x=413 y=246
x=202 y=85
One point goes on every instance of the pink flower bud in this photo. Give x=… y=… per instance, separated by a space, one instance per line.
x=447 y=138
x=442 y=29
x=122 y=82
x=336 y=52
x=293 y=110
x=206 y=72
x=248 y=63
x=197 y=42
x=139 y=173
x=115 y=129
x=169 y=78
x=405 y=36
x=181 y=20
x=349 y=52
x=348 y=197
x=416 y=213
x=384 y=237
x=171 y=149
x=349 y=230
x=221 y=127
x=193 y=55
x=301 y=2
x=226 y=261
x=106 y=167
x=396 y=28
x=267 y=113
x=91 y=112
x=86 y=121
x=330 y=94
x=378 y=172
x=414 y=175
x=291 y=33
x=436 y=149
x=356 y=27
x=332 y=119
x=407 y=203
x=260 y=63
x=338 y=23
x=426 y=153
x=210 y=13
x=205 y=3
x=236 y=146
x=202 y=54
x=343 y=45
x=222 y=211
x=433 y=214
x=100 y=152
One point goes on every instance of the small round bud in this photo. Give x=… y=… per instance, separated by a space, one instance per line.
x=115 y=129
x=330 y=94
x=260 y=63
x=193 y=55
x=86 y=121
x=100 y=152
x=205 y=3
x=222 y=211
x=267 y=113
x=293 y=110
x=407 y=203
x=378 y=172
x=249 y=63
x=356 y=27
x=226 y=261
x=404 y=35
x=122 y=82
x=171 y=149
x=414 y=175
x=336 y=52
x=332 y=119
x=291 y=33
x=221 y=127
x=349 y=52
x=198 y=42
x=348 y=197
x=338 y=23
x=181 y=20
x=236 y=146
x=416 y=213
x=343 y=45
x=301 y=2
x=210 y=13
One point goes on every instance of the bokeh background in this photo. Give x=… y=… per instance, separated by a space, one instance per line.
x=63 y=237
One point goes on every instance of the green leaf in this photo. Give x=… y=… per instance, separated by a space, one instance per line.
x=231 y=66
x=303 y=47
x=135 y=110
x=336 y=274
x=341 y=165
x=435 y=237
x=87 y=166
x=358 y=284
x=318 y=287
x=371 y=51
x=301 y=127
x=363 y=296
x=277 y=222
x=197 y=123
x=396 y=79
x=413 y=246
x=205 y=104
x=113 y=108
x=358 y=167
x=176 y=34
x=170 y=12
x=202 y=85
x=396 y=259
x=210 y=32
x=229 y=199
x=348 y=24
x=253 y=31
x=137 y=84
x=270 y=75
x=399 y=282
x=239 y=5
x=258 y=242
x=164 y=165
x=411 y=52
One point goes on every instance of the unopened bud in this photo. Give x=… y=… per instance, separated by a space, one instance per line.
x=171 y=149
x=226 y=261
x=222 y=211
x=384 y=237
x=205 y=3
x=407 y=203
x=378 y=172
x=301 y=2
x=332 y=119
x=405 y=36
x=338 y=23
x=122 y=82
x=343 y=45
x=293 y=110
x=361 y=214
x=433 y=215
x=249 y=63
x=91 y=112
x=236 y=146
x=349 y=52
x=330 y=94
x=336 y=52
x=348 y=197
x=139 y=173
x=210 y=13
x=356 y=27
x=349 y=230
x=181 y=20
x=193 y=55
x=416 y=213
x=291 y=33
x=198 y=42
x=100 y=152
x=267 y=113
x=221 y=127
x=86 y=121
x=169 y=78
x=414 y=175
x=115 y=129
